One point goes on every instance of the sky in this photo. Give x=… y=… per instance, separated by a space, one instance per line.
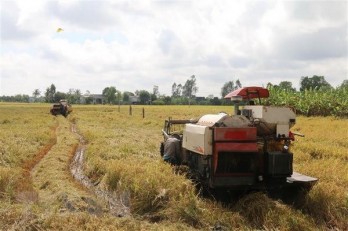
x=136 y=45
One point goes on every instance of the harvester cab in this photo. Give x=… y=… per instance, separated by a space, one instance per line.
x=249 y=149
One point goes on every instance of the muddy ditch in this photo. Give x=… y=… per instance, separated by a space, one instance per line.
x=118 y=203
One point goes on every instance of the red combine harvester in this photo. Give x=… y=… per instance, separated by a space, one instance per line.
x=246 y=151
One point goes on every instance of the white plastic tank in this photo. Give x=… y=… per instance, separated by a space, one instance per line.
x=223 y=120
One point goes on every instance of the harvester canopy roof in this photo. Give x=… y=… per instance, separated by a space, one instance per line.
x=249 y=93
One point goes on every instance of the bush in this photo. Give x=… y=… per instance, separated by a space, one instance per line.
x=158 y=102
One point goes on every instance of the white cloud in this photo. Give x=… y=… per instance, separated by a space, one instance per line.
x=134 y=45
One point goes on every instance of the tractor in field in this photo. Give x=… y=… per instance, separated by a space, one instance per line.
x=248 y=150
x=61 y=108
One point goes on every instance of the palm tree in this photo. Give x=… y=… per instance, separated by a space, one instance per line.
x=36 y=93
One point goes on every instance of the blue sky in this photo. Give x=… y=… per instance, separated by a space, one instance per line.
x=134 y=45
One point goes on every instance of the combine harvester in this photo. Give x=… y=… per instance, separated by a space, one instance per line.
x=249 y=150
x=61 y=108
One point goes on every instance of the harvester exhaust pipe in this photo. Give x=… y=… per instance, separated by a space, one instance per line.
x=236 y=100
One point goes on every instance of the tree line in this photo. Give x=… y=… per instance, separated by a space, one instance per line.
x=182 y=94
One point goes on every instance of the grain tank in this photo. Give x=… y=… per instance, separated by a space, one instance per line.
x=247 y=150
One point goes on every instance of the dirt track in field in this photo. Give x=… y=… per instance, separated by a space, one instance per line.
x=58 y=178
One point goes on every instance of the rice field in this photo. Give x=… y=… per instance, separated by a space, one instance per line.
x=122 y=155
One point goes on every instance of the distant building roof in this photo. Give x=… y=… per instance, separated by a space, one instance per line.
x=134 y=99
x=96 y=98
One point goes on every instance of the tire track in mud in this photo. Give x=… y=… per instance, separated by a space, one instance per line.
x=55 y=177
x=52 y=181
x=118 y=205
x=30 y=164
x=26 y=191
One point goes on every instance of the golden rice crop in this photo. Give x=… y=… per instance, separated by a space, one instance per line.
x=323 y=153
x=123 y=155
x=137 y=140
x=24 y=133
